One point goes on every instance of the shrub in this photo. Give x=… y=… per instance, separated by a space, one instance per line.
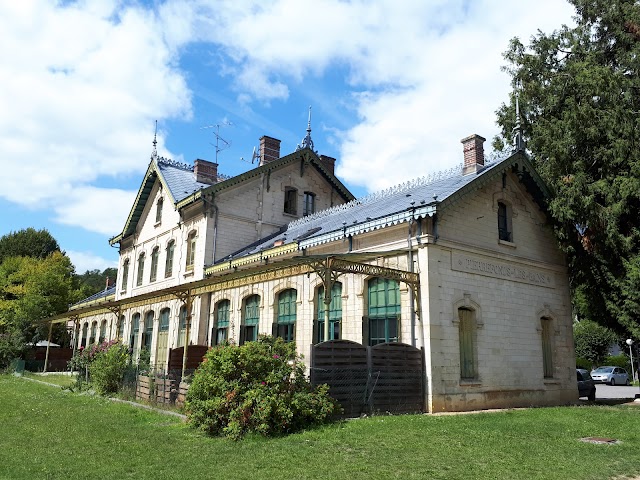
x=11 y=347
x=108 y=368
x=621 y=361
x=583 y=363
x=257 y=387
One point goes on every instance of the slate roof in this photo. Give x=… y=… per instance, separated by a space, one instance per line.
x=414 y=199
x=103 y=294
x=180 y=179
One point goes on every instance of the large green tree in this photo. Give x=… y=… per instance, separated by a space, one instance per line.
x=28 y=243
x=579 y=95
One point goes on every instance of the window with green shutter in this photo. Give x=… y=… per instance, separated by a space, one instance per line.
x=135 y=329
x=121 y=328
x=182 y=332
x=221 y=329
x=286 y=320
x=547 y=349
x=467 y=334
x=148 y=330
x=383 y=311
x=103 y=331
x=251 y=319
x=335 y=313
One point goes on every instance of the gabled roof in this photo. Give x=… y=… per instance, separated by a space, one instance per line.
x=305 y=157
x=179 y=181
x=411 y=200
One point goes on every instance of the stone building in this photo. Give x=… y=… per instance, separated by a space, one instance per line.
x=462 y=264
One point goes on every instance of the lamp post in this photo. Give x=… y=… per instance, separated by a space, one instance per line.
x=633 y=373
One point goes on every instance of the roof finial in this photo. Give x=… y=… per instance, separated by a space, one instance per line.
x=518 y=136
x=154 y=153
x=306 y=141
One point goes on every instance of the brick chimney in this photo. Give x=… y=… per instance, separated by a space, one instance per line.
x=269 y=149
x=205 y=171
x=328 y=162
x=473 y=153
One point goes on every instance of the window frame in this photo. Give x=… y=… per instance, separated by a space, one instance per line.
x=125 y=274
x=249 y=329
x=290 y=201
x=159 y=205
x=309 y=204
x=383 y=314
x=468 y=343
x=168 y=262
x=153 y=274
x=286 y=315
x=335 y=313
x=140 y=275
x=546 y=339
x=191 y=251
x=505 y=226
x=222 y=316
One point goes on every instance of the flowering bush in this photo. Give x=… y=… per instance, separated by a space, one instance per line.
x=257 y=387
x=106 y=363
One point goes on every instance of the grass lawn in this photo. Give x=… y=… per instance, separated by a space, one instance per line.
x=58 y=379
x=46 y=432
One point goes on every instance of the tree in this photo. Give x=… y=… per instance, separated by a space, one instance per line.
x=592 y=341
x=579 y=92
x=93 y=281
x=28 y=243
x=32 y=289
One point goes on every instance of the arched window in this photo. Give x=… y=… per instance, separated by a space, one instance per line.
x=159 y=210
x=163 y=337
x=94 y=331
x=468 y=349
x=168 y=263
x=250 y=319
x=335 y=313
x=85 y=332
x=125 y=275
x=547 y=347
x=285 y=326
x=182 y=332
x=220 y=332
x=103 y=331
x=155 y=253
x=504 y=222
x=135 y=330
x=191 y=250
x=140 y=269
x=383 y=311
x=147 y=336
x=121 y=328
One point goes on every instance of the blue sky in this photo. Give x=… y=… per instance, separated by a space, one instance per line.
x=393 y=87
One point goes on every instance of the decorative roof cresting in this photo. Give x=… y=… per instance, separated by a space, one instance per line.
x=306 y=141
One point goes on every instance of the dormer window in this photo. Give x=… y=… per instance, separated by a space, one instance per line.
x=504 y=222
x=290 y=201
x=309 y=206
x=140 y=269
x=159 y=210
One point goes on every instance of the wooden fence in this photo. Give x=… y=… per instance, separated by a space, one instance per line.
x=389 y=377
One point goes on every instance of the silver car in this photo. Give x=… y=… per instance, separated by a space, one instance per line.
x=610 y=375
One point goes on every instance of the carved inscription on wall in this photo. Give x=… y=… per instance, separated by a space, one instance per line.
x=489 y=267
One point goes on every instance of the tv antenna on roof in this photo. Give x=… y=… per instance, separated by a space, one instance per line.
x=221 y=143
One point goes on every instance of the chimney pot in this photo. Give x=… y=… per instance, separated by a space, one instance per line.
x=473 y=149
x=269 y=149
x=205 y=171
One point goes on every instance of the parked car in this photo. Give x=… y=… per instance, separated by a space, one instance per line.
x=610 y=375
x=586 y=386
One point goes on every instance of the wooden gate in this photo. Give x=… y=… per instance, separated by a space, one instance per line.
x=388 y=377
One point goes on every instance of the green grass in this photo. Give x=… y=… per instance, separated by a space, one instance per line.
x=50 y=433
x=57 y=379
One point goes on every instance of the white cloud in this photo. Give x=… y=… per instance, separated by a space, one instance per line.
x=428 y=71
x=81 y=84
x=84 y=261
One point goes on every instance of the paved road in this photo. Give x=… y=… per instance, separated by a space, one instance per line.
x=607 y=391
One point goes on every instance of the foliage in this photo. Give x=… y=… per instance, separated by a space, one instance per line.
x=93 y=281
x=621 y=361
x=144 y=361
x=11 y=346
x=121 y=441
x=592 y=341
x=28 y=243
x=583 y=363
x=109 y=367
x=579 y=103
x=32 y=289
x=257 y=387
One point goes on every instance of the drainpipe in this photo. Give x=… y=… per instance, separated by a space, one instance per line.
x=215 y=234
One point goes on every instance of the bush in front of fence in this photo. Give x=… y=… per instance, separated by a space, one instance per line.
x=105 y=364
x=257 y=387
